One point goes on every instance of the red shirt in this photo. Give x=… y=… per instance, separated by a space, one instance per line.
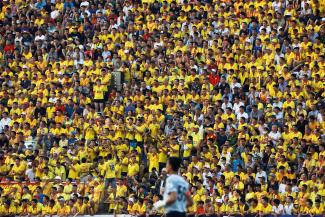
x=146 y=36
x=61 y=108
x=214 y=79
x=200 y=210
x=9 y=47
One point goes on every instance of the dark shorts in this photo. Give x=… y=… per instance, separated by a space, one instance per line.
x=110 y=182
x=176 y=214
x=161 y=166
x=99 y=100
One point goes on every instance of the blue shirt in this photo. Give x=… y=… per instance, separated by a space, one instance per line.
x=175 y=183
x=235 y=164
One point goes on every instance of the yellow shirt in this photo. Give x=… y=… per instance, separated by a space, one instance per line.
x=265 y=210
x=35 y=210
x=63 y=210
x=12 y=210
x=153 y=161
x=49 y=210
x=99 y=92
x=187 y=150
x=174 y=150
x=110 y=169
x=133 y=169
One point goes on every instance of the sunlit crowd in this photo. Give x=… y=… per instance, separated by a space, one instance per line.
x=96 y=95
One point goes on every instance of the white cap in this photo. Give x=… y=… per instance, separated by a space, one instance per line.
x=85 y=4
x=57 y=177
x=55 y=14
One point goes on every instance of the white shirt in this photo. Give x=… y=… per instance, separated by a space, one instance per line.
x=105 y=55
x=295 y=189
x=4 y=122
x=126 y=9
x=232 y=86
x=204 y=177
x=18 y=40
x=176 y=183
x=156 y=45
x=55 y=14
x=52 y=99
x=275 y=136
x=227 y=156
x=224 y=31
x=282 y=188
x=278 y=104
x=260 y=175
x=226 y=105
x=278 y=210
x=237 y=106
x=279 y=116
x=30 y=174
x=40 y=38
x=288 y=209
x=240 y=115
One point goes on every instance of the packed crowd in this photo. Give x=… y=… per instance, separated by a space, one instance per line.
x=234 y=88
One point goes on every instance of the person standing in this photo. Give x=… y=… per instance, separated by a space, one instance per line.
x=176 y=195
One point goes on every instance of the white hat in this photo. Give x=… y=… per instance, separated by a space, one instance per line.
x=55 y=14
x=57 y=177
x=84 y=4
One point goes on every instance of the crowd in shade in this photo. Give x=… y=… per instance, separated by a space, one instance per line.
x=233 y=88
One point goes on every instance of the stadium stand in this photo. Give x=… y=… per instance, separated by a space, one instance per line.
x=95 y=95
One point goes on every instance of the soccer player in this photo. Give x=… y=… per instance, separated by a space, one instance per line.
x=176 y=195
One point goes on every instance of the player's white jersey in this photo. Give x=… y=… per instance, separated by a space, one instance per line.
x=176 y=183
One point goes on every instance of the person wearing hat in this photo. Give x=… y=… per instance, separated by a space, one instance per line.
x=63 y=208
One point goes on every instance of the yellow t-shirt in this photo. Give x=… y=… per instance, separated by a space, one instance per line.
x=99 y=92
x=153 y=161
x=110 y=169
x=265 y=210
x=133 y=169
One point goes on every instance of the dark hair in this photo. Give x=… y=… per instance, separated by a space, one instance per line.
x=175 y=163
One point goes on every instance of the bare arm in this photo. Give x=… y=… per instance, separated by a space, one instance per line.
x=189 y=199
